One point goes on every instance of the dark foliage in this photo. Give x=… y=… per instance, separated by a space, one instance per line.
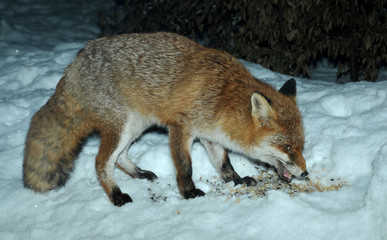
x=283 y=35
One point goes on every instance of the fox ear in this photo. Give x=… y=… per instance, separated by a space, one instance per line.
x=289 y=88
x=260 y=106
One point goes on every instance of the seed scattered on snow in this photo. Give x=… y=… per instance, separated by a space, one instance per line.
x=266 y=181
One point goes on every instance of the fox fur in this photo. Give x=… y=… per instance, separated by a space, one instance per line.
x=120 y=86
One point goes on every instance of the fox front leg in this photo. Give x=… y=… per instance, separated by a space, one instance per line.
x=219 y=157
x=180 y=144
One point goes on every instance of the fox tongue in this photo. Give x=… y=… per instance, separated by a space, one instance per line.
x=284 y=174
x=287 y=175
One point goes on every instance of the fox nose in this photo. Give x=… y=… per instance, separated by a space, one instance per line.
x=304 y=174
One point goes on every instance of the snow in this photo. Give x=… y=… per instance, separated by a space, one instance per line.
x=346 y=152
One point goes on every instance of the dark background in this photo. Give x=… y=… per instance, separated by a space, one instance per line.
x=286 y=36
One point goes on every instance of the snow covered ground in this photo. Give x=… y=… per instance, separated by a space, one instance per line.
x=346 y=152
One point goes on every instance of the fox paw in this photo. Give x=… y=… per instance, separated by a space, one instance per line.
x=193 y=193
x=249 y=181
x=119 y=198
x=147 y=175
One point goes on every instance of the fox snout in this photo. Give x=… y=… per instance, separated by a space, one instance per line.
x=304 y=174
x=288 y=166
x=288 y=171
x=289 y=163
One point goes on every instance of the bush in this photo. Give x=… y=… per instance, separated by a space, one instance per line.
x=283 y=35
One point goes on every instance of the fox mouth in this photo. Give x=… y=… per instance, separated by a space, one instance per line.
x=283 y=173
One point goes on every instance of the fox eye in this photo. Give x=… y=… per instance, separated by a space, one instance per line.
x=288 y=148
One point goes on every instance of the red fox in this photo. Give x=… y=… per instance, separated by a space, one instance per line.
x=120 y=86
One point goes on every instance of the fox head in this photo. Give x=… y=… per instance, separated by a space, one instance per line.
x=277 y=133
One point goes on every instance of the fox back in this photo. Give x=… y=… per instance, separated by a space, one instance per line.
x=120 y=86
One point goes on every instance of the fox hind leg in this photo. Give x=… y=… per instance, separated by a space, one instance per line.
x=219 y=157
x=132 y=169
x=113 y=149
x=105 y=162
x=134 y=126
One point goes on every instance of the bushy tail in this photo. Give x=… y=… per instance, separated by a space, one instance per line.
x=52 y=143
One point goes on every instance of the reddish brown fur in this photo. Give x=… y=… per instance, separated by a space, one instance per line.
x=119 y=86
